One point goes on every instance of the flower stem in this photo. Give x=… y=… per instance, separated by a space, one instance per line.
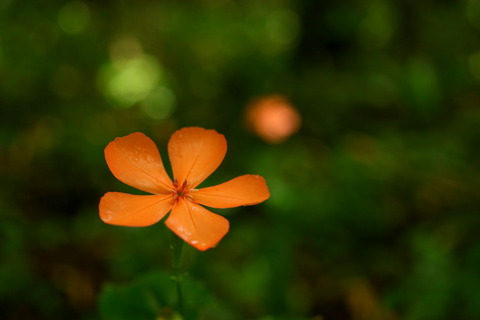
x=177 y=245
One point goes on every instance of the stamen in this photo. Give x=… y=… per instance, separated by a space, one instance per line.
x=180 y=191
x=184 y=186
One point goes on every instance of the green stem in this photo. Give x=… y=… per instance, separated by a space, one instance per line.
x=177 y=245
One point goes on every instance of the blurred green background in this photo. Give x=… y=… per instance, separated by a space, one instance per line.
x=375 y=209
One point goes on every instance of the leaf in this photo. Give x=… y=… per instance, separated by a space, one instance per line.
x=154 y=297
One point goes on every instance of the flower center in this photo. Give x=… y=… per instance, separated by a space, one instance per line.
x=181 y=190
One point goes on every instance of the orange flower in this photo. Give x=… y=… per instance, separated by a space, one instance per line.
x=194 y=154
x=273 y=118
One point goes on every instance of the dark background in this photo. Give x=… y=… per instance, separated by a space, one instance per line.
x=374 y=212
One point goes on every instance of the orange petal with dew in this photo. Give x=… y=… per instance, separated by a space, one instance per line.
x=195 y=153
x=196 y=225
x=135 y=160
x=242 y=191
x=130 y=210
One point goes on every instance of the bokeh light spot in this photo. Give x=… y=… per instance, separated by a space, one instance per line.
x=474 y=64
x=282 y=28
x=129 y=81
x=73 y=17
x=273 y=118
x=159 y=104
x=378 y=26
x=473 y=13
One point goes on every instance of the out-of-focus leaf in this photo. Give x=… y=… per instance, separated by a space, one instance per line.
x=154 y=296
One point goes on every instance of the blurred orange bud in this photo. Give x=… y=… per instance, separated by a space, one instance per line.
x=273 y=118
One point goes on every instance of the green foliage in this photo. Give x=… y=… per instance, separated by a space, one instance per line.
x=153 y=297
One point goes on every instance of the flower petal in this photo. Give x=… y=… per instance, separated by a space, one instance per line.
x=135 y=160
x=242 y=191
x=130 y=210
x=196 y=225
x=195 y=153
